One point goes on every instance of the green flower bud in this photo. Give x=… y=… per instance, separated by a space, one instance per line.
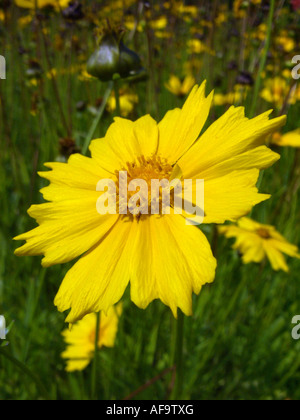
x=112 y=59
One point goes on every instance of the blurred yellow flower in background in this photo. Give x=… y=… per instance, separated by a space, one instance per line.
x=32 y=4
x=127 y=102
x=232 y=98
x=257 y=241
x=278 y=91
x=291 y=139
x=286 y=42
x=240 y=7
x=178 y=87
x=81 y=338
x=196 y=46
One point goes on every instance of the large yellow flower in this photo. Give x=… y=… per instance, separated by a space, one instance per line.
x=81 y=338
x=159 y=255
x=256 y=242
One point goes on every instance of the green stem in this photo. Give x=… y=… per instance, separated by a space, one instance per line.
x=263 y=60
x=117 y=96
x=97 y=119
x=95 y=364
x=27 y=372
x=178 y=357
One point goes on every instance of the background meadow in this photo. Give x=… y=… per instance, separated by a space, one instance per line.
x=238 y=343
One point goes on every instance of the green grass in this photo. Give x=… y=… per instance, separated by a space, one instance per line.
x=238 y=343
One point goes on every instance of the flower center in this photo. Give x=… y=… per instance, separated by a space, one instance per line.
x=135 y=187
x=263 y=233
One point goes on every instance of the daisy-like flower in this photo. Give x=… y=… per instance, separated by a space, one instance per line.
x=290 y=139
x=257 y=242
x=81 y=338
x=178 y=87
x=159 y=255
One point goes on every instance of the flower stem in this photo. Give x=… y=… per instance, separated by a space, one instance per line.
x=95 y=363
x=178 y=357
x=97 y=119
x=117 y=96
x=263 y=59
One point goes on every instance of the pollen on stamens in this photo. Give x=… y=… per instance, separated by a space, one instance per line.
x=143 y=168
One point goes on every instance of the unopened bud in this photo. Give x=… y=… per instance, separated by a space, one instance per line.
x=113 y=58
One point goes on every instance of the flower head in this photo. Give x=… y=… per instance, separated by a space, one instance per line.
x=257 y=241
x=178 y=87
x=158 y=254
x=113 y=59
x=291 y=139
x=81 y=338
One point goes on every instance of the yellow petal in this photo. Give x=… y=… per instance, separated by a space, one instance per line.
x=124 y=142
x=283 y=246
x=276 y=258
x=254 y=253
x=179 y=129
x=117 y=147
x=231 y=196
x=67 y=229
x=146 y=134
x=172 y=260
x=259 y=158
x=230 y=135
x=79 y=172
x=98 y=280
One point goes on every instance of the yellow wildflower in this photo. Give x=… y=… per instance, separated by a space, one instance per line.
x=256 y=242
x=291 y=139
x=277 y=91
x=158 y=254
x=195 y=46
x=81 y=338
x=178 y=87
x=127 y=102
